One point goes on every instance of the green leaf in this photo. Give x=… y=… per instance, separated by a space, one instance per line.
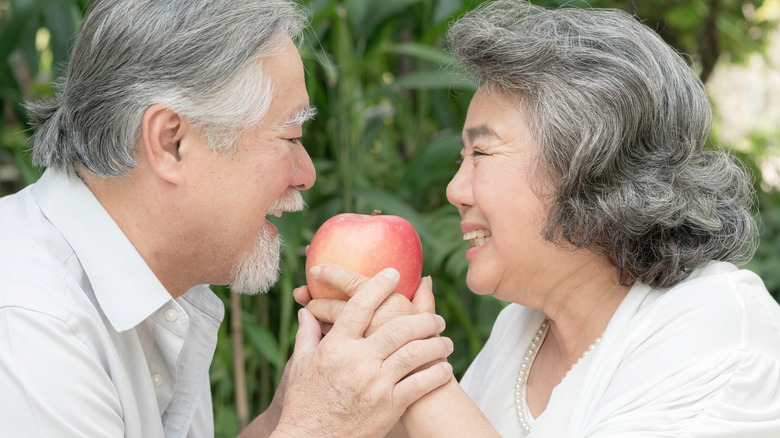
x=366 y=15
x=423 y=51
x=11 y=35
x=433 y=79
x=61 y=18
x=446 y=9
x=435 y=163
x=262 y=340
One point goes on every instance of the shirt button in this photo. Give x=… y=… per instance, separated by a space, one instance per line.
x=157 y=380
x=171 y=315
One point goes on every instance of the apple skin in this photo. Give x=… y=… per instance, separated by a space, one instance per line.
x=366 y=244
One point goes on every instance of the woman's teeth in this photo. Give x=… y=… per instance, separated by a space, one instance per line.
x=477 y=237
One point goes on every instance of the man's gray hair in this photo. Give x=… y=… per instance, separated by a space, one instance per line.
x=621 y=122
x=200 y=58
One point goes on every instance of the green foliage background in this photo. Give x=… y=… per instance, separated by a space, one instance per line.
x=385 y=138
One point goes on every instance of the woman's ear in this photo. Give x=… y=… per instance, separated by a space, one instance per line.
x=161 y=134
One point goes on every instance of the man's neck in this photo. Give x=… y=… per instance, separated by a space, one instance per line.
x=130 y=201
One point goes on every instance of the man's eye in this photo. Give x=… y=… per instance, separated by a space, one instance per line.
x=477 y=154
x=459 y=161
x=296 y=140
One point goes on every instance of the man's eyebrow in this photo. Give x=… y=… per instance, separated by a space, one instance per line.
x=300 y=116
x=479 y=132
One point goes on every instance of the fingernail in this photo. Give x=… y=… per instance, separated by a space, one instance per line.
x=449 y=343
x=440 y=320
x=391 y=273
x=315 y=270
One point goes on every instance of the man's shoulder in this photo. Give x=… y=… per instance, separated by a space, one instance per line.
x=34 y=257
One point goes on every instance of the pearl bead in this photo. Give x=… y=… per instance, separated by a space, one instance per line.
x=522 y=373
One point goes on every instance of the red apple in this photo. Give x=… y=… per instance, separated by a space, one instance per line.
x=366 y=244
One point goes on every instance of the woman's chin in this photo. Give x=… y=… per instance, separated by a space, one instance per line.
x=477 y=286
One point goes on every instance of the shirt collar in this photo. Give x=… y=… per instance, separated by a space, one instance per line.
x=125 y=287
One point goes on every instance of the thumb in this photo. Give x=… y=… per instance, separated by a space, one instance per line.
x=308 y=336
x=423 y=298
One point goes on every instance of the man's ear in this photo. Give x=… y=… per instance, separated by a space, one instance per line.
x=161 y=134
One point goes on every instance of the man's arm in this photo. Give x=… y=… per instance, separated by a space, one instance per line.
x=51 y=383
x=348 y=384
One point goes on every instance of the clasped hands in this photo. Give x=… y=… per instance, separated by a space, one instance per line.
x=381 y=354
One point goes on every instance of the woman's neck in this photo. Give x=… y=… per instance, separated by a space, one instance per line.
x=581 y=306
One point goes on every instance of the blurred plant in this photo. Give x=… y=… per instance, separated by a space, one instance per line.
x=706 y=31
x=765 y=263
x=34 y=46
x=761 y=155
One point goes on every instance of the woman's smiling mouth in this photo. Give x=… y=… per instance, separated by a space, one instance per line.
x=477 y=237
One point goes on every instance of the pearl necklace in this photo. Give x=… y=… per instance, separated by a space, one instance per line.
x=521 y=406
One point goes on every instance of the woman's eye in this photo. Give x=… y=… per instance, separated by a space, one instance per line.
x=477 y=154
x=459 y=161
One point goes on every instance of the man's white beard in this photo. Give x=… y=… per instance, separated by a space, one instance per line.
x=258 y=270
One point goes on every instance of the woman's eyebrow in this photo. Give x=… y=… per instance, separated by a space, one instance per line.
x=478 y=132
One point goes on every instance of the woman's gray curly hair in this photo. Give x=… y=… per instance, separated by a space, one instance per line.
x=621 y=122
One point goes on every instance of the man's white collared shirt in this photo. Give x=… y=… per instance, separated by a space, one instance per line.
x=91 y=343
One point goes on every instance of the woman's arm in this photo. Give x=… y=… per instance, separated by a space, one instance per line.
x=445 y=412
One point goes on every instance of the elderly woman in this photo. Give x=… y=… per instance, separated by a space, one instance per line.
x=594 y=208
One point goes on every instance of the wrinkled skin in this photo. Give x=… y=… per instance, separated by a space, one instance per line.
x=359 y=378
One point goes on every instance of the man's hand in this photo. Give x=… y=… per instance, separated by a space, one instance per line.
x=350 y=383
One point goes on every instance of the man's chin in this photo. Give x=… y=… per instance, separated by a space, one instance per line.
x=256 y=275
x=244 y=288
x=258 y=270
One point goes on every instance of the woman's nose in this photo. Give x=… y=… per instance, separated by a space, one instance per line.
x=459 y=191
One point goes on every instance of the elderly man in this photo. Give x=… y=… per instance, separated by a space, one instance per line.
x=176 y=131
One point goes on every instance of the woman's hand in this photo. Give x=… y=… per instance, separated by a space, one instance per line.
x=327 y=311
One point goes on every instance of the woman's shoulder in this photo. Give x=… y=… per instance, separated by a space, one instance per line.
x=710 y=346
x=720 y=303
x=719 y=314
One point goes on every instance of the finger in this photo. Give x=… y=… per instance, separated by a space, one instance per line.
x=302 y=295
x=412 y=388
x=308 y=336
x=394 y=306
x=338 y=277
x=423 y=298
x=326 y=310
x=416 y=354
x=404 y=329
x=359 y=310
x=306 y=250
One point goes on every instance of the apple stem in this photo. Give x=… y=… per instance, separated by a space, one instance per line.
x=376 y=212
